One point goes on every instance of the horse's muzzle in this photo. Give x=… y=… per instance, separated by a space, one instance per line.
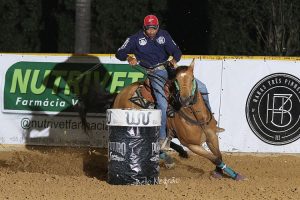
x=185 y=101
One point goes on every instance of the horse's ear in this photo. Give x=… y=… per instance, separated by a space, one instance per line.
x=192 y=64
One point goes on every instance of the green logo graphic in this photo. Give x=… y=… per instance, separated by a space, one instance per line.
x=52 y=88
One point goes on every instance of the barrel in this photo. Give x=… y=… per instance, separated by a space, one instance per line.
x=133 y=146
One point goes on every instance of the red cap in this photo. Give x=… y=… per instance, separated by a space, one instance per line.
x=151 y=21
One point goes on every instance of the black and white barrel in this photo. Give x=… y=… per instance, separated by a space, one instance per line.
x=133 y=146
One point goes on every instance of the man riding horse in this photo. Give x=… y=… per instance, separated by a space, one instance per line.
x=152 y=46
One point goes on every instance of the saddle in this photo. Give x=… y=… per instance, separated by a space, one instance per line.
x=144 y=97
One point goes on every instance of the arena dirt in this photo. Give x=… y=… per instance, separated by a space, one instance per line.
x=80 y=173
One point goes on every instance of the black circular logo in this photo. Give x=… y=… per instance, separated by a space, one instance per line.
x=273 y=109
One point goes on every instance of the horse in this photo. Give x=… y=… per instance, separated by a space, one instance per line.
x=191 y=122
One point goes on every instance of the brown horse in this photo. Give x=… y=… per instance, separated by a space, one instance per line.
x=191 y=121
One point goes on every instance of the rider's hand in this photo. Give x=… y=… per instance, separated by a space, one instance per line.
x=173 y=63
x=132 y=61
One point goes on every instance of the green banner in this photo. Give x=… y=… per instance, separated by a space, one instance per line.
x=46 y=87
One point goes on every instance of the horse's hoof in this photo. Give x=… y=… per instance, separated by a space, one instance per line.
x=216 y=175
x=168 y=160
x=239 y=177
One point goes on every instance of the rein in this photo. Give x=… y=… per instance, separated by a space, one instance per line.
x=194 y=120
x=154 y=77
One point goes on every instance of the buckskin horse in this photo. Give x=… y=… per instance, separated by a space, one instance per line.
x=190 y=120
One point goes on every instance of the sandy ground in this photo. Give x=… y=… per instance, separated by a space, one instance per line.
x=80 y=173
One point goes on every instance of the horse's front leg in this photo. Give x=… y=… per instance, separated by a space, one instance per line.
x=213 y=145
x=178 y=148
x=199 y=150
x=212 y=142
x=221 y=166
x=172 y=134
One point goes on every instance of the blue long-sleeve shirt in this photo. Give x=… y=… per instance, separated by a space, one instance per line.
x=150 y=51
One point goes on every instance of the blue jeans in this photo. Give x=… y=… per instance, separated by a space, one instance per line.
x=203 y=90
x=161 y=101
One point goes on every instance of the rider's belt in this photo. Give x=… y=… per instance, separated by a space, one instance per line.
x=160 y=67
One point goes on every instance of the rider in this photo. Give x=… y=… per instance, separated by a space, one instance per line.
x=152 y=46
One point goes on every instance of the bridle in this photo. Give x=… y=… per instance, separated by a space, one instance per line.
x=189 y=105
x=192 y=99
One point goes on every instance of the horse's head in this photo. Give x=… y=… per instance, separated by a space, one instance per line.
x=186 y=86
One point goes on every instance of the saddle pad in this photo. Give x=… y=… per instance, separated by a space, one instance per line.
x=138 y=99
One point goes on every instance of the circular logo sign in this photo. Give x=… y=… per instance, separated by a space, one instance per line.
x=273 y=109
